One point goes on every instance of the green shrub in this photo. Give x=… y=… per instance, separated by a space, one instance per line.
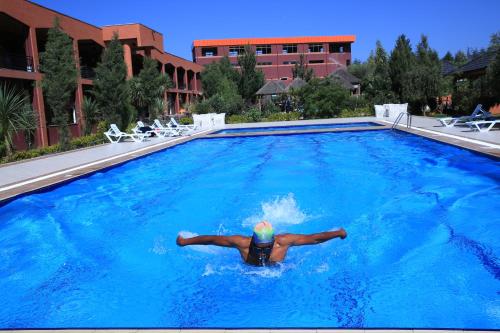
x=283 y=116
x=359 y=112
x=270 y=108
x=237 y=119
x=253 y=114
x=86 y=141
x=186 y=121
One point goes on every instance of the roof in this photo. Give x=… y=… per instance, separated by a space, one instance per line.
x=274 y=40
x=480 y=62
x=346 y=79
x=273 y=87
x=447 y=68
x=296 y=84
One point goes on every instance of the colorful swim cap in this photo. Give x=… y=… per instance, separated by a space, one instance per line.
x=263 y=233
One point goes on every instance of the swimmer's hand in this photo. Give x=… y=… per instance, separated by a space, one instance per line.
x=180 y=241
x=343 y=233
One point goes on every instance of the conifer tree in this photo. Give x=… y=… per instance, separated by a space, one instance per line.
x=111 y=89
x=381 y=84
x=300 y=70
x=251 y=79
x=59 y=79
x=422 y=83
x=400 y=63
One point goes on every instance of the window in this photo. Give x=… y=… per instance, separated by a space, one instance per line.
x=208 y=51
x=289 y=62
x=314 y=48
x=263 y=49
x=339 y=47
x=236 y=50
x=283 y=78
x=316 y=61
x=265 y=63
x=290 y=48
x=348 y=62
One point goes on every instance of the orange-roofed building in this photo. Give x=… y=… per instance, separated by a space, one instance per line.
x=276 y=57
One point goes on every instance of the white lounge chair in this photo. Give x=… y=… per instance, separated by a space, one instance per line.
x=478 y=114
x=483 y=125
x=188 y=129
x=114 y=132
x=167 y=130
x=157 y=131
x=137 y=129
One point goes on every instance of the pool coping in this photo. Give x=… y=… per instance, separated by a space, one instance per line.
x=46 y=182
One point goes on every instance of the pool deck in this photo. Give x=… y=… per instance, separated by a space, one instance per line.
x=26 y=176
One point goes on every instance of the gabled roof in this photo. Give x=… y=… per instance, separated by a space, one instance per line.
x=274 y=87
x=297 y=83
x=477 y=63
x=346 y=79
x=447 y=68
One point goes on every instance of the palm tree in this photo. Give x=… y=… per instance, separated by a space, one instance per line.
x=91 y=113
x=13 y=106
x=157 y=108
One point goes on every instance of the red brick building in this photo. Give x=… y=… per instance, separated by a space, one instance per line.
x=277 y=56
x=23 y=34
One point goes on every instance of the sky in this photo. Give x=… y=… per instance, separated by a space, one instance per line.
x=450 y=25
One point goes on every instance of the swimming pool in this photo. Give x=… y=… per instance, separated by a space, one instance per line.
x=422 y=249
x=295 y=128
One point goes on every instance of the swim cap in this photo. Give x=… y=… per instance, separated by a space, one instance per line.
x=263 y=233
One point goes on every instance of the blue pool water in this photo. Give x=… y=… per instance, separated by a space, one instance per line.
x=294 y=128
x=422 y=247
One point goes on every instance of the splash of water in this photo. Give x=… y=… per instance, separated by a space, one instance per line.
x=279 y=211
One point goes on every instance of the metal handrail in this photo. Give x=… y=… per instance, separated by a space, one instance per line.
x=400 y=116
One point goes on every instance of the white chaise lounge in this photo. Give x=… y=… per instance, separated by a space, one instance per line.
x=483 y=125
x=185 y=129
x=114 y=132
x=478 y=114
x=168 y=130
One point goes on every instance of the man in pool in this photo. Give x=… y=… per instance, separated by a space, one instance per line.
x=263 y=248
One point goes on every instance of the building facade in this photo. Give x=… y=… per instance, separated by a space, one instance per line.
x=23 y=34
x=276 y=57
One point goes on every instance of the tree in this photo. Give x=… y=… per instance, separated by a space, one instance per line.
x=91 y=113
x=400 y=63
x=493 y=71
x=301 y=70
x=251 y=79
x=381 y=81
x=111 y=89
x=460 y=59
x=213 y=74
x=448 y=57
x=148 y=86
x=323 y=98
x=226 y=100
x=59 y=79
x=15 y=115
x=423 y=82
x=365 y=71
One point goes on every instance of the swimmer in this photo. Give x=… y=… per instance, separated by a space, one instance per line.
x=263 y=248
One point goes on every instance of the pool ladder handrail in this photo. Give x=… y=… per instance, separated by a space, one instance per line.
x=400 y=116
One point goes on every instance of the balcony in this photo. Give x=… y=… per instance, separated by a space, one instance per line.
x=87 y=72
x=18 y=62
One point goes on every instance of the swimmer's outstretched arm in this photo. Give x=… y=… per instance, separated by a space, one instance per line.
x=297 y=239
x=226 y=241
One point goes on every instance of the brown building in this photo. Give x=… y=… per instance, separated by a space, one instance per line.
x=277 y=56
x=23 y=34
